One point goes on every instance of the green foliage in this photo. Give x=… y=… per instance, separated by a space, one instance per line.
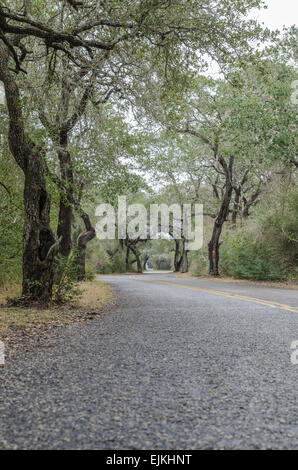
x=11 y=218
x=108 y=265
x=266 y=248
x=65 y=282
x=162 y=47
x=162 y=261
x=198 y=262
x=89 y=274
x=33 y=285
x=100 y=262
x=246 y=258
x=115 y=264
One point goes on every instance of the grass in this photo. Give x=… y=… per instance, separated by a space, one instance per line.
x=9 y=291
x=206 y=277
x=21 y=328
x=95 y=294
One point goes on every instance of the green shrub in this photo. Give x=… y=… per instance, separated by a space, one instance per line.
x=89 y=273
x=198 y=262
x=245 y=258
x=65 y=280
x=266 y=247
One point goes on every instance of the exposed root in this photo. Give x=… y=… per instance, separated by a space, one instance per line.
x=27 y=302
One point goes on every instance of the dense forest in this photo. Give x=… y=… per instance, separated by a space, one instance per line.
x=160 y=101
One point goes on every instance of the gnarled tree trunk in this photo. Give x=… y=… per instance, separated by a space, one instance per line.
x=138 y=258
x=83 y=240
x=213 y=245
x=39 y=244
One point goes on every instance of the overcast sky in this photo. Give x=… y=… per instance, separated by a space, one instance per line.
x=278 y=13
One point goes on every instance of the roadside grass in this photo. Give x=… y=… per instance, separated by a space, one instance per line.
x=206 y=277
x=95 y=294
x=21 y=328
x=9 y=291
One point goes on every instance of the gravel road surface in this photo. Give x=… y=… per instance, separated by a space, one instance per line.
x=178 y=364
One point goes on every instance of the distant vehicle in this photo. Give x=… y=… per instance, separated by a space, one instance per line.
x=148 y=267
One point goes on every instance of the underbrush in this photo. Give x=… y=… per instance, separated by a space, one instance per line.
x=265 y=247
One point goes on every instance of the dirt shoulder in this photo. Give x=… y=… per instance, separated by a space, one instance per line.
x=283 y=285
x=22 y=329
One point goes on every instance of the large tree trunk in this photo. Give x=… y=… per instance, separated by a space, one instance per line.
x=213 y=245
x=213 y=249
x=39 y=245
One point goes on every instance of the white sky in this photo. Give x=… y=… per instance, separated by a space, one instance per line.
x=278 y=13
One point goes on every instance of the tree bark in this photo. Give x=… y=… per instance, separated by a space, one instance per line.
x=39 y=243
x=146 y=259
x=249 y=203
x=213 y=245
x=66 y=119
x=138 y=258
x=83 y=240
x=177 y=257
x=127 y=259
x=184 y=260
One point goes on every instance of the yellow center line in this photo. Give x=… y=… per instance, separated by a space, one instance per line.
x=268 y=303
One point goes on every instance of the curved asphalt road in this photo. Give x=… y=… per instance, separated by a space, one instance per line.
x=179 y=364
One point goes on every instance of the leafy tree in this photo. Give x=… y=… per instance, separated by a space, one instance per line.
x=90 y=53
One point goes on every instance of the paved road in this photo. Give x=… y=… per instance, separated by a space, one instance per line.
x=179 y=364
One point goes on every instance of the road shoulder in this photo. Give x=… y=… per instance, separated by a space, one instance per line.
x=222 y=279
x=23 y=329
